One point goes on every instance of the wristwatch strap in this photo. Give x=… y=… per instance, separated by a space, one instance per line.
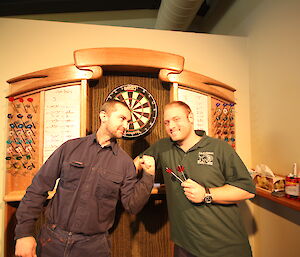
x=207 y=197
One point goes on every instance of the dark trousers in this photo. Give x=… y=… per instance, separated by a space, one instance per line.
x=55 y=242
x=180 y=252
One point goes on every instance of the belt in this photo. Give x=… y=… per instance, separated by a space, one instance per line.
x=75 y=236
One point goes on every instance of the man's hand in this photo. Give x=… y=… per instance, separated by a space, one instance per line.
x=147 y=162
x=193 y=191
x=137 y=164
x=25 y=247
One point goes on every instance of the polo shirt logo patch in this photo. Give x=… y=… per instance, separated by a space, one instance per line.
x=206 y=158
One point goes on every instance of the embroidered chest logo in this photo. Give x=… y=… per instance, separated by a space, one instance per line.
x=205 y=158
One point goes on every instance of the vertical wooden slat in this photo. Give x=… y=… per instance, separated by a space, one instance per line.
x=83 y=108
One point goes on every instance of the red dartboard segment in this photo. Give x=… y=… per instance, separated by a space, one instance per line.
x=142 y=105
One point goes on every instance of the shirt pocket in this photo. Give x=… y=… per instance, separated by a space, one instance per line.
x=71 y=174
x=108 y=185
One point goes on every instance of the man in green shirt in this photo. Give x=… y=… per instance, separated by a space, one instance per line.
x=205 y=179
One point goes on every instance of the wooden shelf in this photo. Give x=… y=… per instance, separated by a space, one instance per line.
x=294 y=204
x=16 y=196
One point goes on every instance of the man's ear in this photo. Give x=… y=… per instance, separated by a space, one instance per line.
x=191 y=117
x=103 y=116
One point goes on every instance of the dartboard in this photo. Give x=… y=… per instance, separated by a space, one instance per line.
x=142 y=106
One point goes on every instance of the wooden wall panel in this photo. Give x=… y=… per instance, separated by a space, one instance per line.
x=160 y=92
x=145 y=234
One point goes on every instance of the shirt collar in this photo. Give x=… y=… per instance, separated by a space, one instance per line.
x=201 y=143
x=113 y=143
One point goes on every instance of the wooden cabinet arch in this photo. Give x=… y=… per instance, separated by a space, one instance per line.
x=91 y=65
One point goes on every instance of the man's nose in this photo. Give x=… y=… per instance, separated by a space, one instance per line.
x=171 y=124
x=125 y=124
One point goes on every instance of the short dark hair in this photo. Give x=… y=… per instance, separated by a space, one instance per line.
x=180 y=104
x=110 y=105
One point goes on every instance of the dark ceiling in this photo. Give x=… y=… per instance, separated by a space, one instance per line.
x=208 y=14
x=22 y=7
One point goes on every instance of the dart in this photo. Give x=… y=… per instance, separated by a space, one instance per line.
x=13 y=126
x=180 y=169
x=29 y=126
x=29 y=133
x=30 y=100
x=19 y=141
x=29 y=148
x=12 y=99
x=12 y=164
x=20 y=116
x=28 y=156
x=217 y=109
x=171 y=172
x=31 y=166
x=21 y=127
x=19 y=158
x=29 y=116
x=9 y=142
x=21 y=100
x=9 y=150
x=18 y=150
x=22 y=137
x=11 y=134
x=29 y=141
x=19 y=134
x=9 y=158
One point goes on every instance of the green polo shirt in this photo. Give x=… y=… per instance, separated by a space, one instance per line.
x=206 y=230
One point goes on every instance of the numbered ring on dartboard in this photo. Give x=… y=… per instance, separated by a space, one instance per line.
x=142 y=106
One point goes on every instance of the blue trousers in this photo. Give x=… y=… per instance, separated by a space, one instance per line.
x=55 y=242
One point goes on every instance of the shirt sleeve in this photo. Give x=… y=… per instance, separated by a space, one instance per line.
x=235 y=171
x=32 y=203
x=135 y=192
x=153 y=151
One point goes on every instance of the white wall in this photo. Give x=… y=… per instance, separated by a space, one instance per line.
x=272 y=28
x=28 y=46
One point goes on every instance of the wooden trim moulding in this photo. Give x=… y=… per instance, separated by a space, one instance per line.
x=90 y=63
x=135 y=57
x=49 y=77
x=199 y=82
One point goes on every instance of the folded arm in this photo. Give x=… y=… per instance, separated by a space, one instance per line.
x=226 y=194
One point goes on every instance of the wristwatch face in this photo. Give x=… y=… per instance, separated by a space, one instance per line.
x=142 y=106
x=207 y=198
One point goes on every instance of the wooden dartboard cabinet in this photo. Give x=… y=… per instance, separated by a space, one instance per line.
x=96 y=72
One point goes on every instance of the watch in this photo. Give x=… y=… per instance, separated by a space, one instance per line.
x=207 y=196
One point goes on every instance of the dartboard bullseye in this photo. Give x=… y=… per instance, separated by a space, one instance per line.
x=142 y=106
